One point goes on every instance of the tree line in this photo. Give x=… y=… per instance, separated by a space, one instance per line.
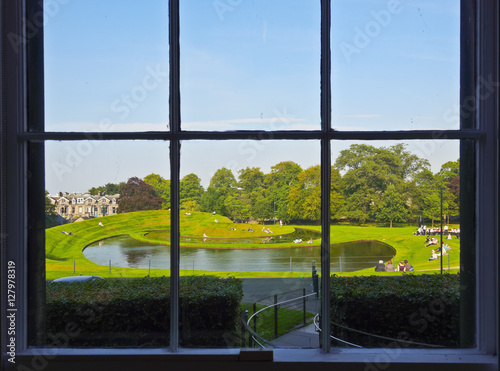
x=387 y=184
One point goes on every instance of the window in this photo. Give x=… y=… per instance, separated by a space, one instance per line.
x=25 y=140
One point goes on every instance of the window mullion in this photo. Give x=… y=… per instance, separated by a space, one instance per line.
x=174 y=110
x=325 y=173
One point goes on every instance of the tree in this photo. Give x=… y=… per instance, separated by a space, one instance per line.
x=237 y=208
x=368 y=173
x=393 y=207
x=250 y=179
x=50 y=212
x=161 y=187
x=109 y=189
x=190 y=189
x=305 y=197
x=137 y=195
x=221 y=186
x=278 y=182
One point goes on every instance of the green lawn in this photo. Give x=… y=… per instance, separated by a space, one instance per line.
x=63 y=251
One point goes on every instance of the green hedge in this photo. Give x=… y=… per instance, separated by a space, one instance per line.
x=418 y=308
x=136 y=312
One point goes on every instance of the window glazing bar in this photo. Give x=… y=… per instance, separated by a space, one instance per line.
x=261 y=135
x=325 y=173
x=174 y=119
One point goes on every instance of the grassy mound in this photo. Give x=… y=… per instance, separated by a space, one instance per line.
x=64 y=251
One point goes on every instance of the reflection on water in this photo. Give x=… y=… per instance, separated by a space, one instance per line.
x=124 y=251
x=299 y=234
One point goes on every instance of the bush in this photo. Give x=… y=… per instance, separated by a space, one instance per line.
x=423 y=309
x=136 y=312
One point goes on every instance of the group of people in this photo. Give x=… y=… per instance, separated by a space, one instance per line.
x=436 y=253
x=423 y=230
x=402 y=267
x=266 y=230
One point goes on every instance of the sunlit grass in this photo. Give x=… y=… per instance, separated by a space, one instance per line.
x=65 y=257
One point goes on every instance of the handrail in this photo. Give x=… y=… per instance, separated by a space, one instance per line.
x=373 y=335
x=246 y=323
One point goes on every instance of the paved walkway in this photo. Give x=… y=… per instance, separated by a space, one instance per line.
x=306 y=337
x=254 y=289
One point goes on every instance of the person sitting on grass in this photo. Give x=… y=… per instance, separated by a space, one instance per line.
x=401 y=267
x=380 y=266
x=389 y=267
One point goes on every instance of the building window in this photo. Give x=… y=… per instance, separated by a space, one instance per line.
x=27 y=142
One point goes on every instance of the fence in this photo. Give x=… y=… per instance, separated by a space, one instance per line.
x=272 y=317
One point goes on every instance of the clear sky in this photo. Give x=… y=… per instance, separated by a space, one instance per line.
x=245 y=64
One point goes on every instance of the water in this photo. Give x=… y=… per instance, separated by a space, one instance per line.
x=124 y=251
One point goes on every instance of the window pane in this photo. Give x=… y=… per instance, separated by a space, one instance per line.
x=250 y=65
x=395 y=65
x=251 y=210
x=106 y=66
x=393 y=205
x=102 y=199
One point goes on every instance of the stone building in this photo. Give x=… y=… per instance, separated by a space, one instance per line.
x=72 y=206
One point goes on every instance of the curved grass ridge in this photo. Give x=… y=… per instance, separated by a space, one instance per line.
x=64 y=251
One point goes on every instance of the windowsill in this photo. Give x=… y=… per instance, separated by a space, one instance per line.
x=381 y=357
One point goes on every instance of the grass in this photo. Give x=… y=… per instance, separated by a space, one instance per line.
x=288 y=320
x=63 y=251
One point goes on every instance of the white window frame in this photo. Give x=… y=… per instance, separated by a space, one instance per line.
x=18 y=138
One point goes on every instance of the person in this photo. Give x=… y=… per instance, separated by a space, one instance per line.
x=213 y=213
x=401 y=267
x=310 y=240
x=281 y=223
x=449 y=236
x=250 y=230
x=233 y=229
x=204 y=235
x=408 y=266
x=389 y=267
x=433 y=241
x=434 y=256
x=100 y=224
x=427 y=239
x=216 y=220
x=268 y=230
x=380 y=266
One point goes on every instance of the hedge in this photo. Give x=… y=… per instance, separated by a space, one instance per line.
x=136 y=312
x=418 y=308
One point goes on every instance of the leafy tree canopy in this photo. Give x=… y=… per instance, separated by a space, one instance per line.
x=136 y=195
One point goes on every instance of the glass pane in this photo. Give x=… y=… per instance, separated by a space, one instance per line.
x=251 y=210
x=250 y=65
x=106 y=65
x=102 y=198
x=393 y=205
x=395 y=65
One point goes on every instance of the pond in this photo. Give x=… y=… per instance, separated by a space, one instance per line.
x=124 y=251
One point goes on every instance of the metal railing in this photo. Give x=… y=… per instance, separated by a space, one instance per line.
x=272 y=318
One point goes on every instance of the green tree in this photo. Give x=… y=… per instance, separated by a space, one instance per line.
x=261 y=208
x=394 y=208
x=50 y=212
x=190 y=188
x=250 y=179
x=237 y=209
x=221 y=186
x=161 y=187
x=137 y=195
x=109 y=189
x=305 y=197
x=368 y=173
x=278 y=183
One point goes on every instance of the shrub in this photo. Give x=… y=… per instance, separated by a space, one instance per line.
x=136 y=312
x=418 y=308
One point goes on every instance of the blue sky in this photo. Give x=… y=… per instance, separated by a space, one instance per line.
x=245 y=64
